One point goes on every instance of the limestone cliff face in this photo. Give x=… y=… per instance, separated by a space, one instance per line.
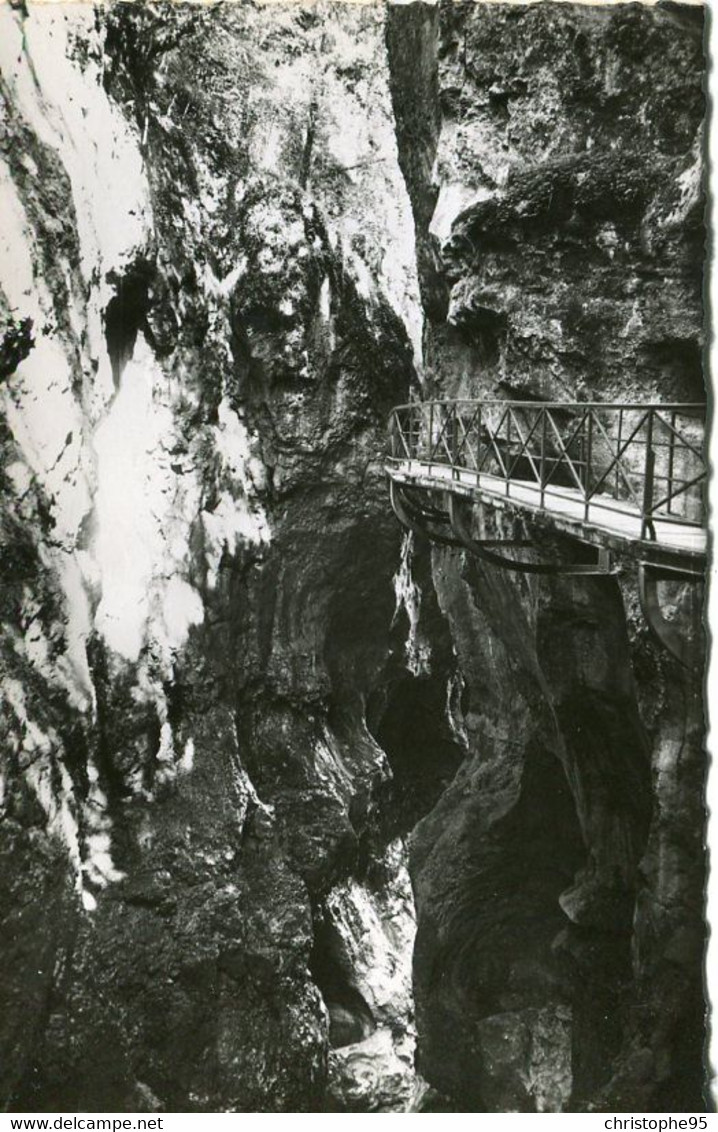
x=232 y=239
x=557 y=193
x=555 y=177
x=210 y=232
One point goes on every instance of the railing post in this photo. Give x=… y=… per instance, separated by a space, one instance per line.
x=587 y=471
x=618 y=449
x=649 y=476
x=671 y=458
x=431 y=433
x=508 y=452
x=543 y=456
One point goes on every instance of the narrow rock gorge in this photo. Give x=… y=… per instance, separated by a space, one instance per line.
x=300 y=813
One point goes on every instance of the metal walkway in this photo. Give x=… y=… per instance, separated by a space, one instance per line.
x=626 y=479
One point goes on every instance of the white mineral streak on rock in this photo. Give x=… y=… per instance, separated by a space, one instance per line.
x=170 y=763
x=376 y=932
x=236 y=516
x=97 y=866
x=45 y=419
x=333 y=762
x=325 y=313
x=36 y=752
x=690 y=188
x=68 y=668
x=353 y=171
x=165 y=757
x=68 y=111
x=329 y=767
x=635 y=321
x=454 y=715
x=186 y=761
x=408 y=598
x=48 y=427
x=357 y=124
x=144 y=511
x=67 y=108
x=453 y=199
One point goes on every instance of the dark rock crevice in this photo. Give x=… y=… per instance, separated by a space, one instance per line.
x=412 y=40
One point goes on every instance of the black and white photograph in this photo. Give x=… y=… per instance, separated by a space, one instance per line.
x=354 y=554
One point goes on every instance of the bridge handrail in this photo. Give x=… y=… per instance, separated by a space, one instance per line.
x=698 y=407
x=642 y=454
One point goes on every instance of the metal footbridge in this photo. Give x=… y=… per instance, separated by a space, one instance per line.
x=623 y=481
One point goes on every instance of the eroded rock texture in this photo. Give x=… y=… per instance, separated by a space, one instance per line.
x=557 y=197
x=208 y=227
x=232 y=238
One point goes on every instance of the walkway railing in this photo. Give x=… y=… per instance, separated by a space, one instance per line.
x=645 y=459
